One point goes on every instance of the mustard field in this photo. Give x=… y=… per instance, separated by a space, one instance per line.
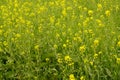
x=59 y=39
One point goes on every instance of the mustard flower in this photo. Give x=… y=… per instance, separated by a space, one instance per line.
x=71 y=77
x=71 y=63
x=96 y=43
x=95 y=55
x=82 y=48
x=52 y=19
x=99 y=7
x=18 y=35
x=64 y=13
x=85 y=8
x=36 y=47
x=5 y=43
x=91 y=63
x=85 y=60
x=82 y=78
x=47 y=59
x=55 y=46
x=67 y=58
x=59 y=60
x=118 y=60
x=90 y=12
x=118 y=44
x=64 y=45
x=1 y=31
x=107 y=13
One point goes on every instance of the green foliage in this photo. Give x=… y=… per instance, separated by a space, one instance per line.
x=59 y=40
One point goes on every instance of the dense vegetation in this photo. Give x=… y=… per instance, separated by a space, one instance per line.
x=59 y=39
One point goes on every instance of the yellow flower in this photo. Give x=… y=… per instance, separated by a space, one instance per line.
x=16 y=5
x=71 y=77
x=87 y=19
x=81 y=16
x=82 y=78
x=51 y=3
x=18 y=35
x=52 y=19
x=95 y=56
x=64 y=13
x=32 y=14
x=36 y=47
x=40 y=29
x=71 y=63
x=118 y=60
x=100 y=52
x=86 y=31
x=90 y=12
x=21 y=20
x=67 y=58
x=98 y=21
x=22 y=53
x=82 y=48
x=79 y=7
x=79 y=39
x=96 y=43
x=47 y=59
x=41 y=9
x=91 y=18
x=57 y=35
x=91 y=63
x=85 y=60
x=67 y=41
x=62 y=3
x=55 y=46
x=115 y=56
x=118 y=44
x=99 y=7
x=5 y=43
x=75 y=38
x=90 y=31
x=64 y=45
x=85 y=8
x=59 y=60
x=85 y=23
x=79 y=24
x=69 y=8
x=107 y=13
x=1 y=31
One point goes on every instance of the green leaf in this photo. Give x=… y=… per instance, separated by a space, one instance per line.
x=108 y=72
